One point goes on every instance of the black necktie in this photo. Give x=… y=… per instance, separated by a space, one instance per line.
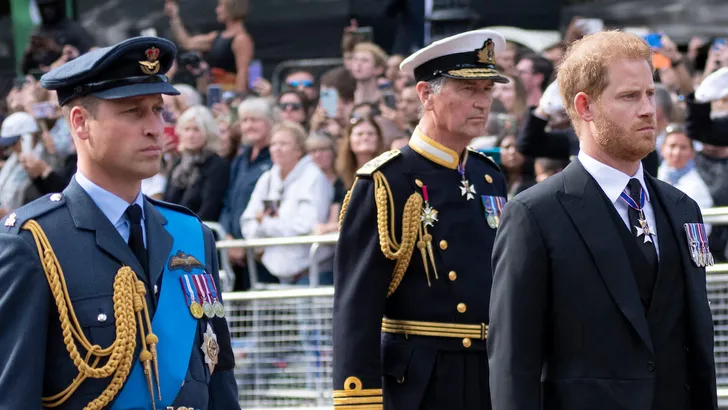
x=645 y=279
x=136 y=235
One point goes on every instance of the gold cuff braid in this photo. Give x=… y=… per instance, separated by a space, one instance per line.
x=129 y=301
x=391 y=248
x=354 y=397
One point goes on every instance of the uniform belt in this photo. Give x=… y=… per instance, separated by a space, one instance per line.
x=453 y=330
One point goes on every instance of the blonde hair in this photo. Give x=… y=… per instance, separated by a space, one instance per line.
x=316 y=140
x=205 y=121
x=380 y=56
x=296 y=130
x=188 y=95
x=584 y=68
x=260 y=107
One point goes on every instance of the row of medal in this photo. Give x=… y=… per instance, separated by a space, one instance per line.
x=699 y=250
x=201 y=296
x=493 y=208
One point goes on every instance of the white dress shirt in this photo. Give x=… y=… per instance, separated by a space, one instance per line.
x=613 y=182
x=112 y=206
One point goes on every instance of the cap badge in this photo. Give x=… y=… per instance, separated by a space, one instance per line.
x=486 y=54
x=151 y=66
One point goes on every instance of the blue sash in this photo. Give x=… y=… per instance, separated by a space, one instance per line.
x=172 y=322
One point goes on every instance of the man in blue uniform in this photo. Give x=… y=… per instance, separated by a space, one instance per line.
x=412 y=272
x=110 y=299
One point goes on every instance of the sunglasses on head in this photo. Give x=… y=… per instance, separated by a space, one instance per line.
x=292 y=106
x=304 y=83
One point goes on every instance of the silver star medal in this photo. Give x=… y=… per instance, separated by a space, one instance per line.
x=644 y=229
x=467 y=190
x=429 y=216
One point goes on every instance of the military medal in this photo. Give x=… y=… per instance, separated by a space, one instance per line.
x=195 y=308
x=217 y=306
x=467 y=190
x=429 y=214
x=643 y=229
x=202 y=292
x=698 y=241
x=424 y=244
x=210 y=348
x=493 y=208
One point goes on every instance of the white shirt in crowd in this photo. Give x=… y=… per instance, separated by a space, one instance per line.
x=693 y=186
x=613 y=182
x=154 y=185
x=305 y=198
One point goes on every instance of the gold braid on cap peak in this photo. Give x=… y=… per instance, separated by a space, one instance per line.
x=129 y=301
x=391 y=248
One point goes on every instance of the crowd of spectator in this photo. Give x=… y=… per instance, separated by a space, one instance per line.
x=267 y=162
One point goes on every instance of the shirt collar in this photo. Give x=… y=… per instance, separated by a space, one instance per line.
x=110 y=205
x=433 y=150
x=611 y=180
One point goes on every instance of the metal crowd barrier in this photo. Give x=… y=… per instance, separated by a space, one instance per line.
x=282 y=338
x=282 y=345
x=250 y=245
x=227 y=274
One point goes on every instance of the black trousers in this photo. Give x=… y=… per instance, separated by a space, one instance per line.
x=425 y=377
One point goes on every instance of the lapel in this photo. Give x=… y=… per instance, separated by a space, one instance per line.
x=582 y=199
x=159 y=241
x=87 y=216
x=678 y=215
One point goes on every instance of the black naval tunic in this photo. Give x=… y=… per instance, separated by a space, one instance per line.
x=418 y=339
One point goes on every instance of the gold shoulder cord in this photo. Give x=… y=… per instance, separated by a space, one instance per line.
x=129 y=301
x=392 y=249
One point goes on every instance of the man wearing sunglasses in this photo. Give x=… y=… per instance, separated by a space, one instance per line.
x=304 y=82
x=412 y=271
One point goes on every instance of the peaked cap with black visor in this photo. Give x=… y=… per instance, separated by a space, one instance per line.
x=465 y=56
x=132 y=68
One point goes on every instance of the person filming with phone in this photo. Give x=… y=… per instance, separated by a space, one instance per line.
x=229 y=52
x=288 y=200
x=57 y=37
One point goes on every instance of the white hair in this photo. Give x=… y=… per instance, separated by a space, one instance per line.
x=205 y=121
x=435 y=88
x=436 y=84
x=260 y=107
x=190 y=96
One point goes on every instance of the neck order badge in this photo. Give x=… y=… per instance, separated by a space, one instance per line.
x=467 y=190
x=643 y=229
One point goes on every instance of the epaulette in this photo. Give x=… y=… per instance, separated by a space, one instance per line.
x=174 y=207
x=373 y=165
x=41 y=206
x=486 y=157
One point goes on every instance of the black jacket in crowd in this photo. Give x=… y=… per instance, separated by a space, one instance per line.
x=204 y=196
